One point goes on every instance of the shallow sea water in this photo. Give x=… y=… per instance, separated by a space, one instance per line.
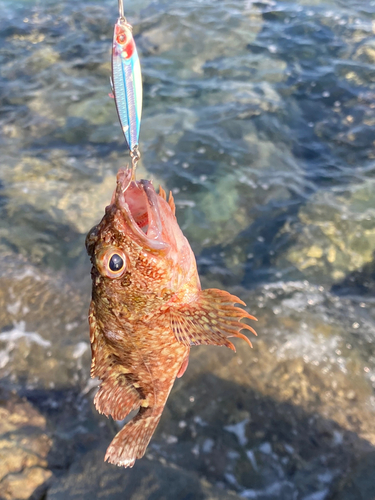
x=260 y=117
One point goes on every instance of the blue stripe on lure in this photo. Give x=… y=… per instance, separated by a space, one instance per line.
x=127 y=82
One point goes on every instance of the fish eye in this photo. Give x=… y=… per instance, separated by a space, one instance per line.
x=121 y=39
x=116 y=263
x=111 y=262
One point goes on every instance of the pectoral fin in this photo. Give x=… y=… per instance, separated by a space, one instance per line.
x=211 y=319
x=116 y=397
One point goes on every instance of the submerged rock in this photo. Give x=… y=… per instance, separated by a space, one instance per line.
x=43 y=328
x=24 y=447
x=199 y=38
x=287 y=419
x=98 y=110
x=148 y=480
x=51 y=203
x=217 y=210
x=334 y=234
x=360 y=484
x=251 y=110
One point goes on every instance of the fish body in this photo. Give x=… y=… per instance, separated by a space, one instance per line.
x=147 y=309
x=127 y=82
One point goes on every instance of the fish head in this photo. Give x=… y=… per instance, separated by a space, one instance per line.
x=140 y=257
x=123 y=41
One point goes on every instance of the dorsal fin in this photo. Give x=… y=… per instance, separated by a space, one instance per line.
x=210 y=319
x=172 y=203
x=162 y=193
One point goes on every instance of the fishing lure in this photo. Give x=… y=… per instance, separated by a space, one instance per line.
x=127 y=83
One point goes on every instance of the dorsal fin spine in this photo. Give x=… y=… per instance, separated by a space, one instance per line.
x=172 y=203
x=162 y=193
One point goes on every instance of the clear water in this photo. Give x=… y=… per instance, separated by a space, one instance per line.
x=260 y=117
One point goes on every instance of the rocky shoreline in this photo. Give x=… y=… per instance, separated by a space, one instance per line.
x=259 y=117
x=291 y=418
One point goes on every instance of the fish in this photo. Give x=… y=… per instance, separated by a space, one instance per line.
x=127 y=82
x=147 y=310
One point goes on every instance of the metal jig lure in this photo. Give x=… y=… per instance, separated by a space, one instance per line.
x=127 y=83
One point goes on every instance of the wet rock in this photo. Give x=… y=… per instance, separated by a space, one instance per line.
x=214 y=216
x=41 y=59
x=60 y=196
x=97 y=110
x=360 y=485
x=24 y=447
x=289 y=417
x=335 y=234
x=148 y=480
x=197 y=35
x=30 y=484
x=367 y=52
x=216 y=212
x=29 y=353
x=49 y=109
x=34 y=63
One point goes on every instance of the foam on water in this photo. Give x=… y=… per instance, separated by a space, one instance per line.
x=12 y=337
x=239 y=430
x=19 y=332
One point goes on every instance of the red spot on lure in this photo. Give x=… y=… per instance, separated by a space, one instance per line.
x=125 y=45
x=147 y=310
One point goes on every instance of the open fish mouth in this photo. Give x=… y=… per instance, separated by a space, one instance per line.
x=138 y=204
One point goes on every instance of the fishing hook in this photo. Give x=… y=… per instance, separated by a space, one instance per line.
x=135 y=155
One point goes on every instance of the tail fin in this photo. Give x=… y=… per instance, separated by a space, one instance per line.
x=131 y=442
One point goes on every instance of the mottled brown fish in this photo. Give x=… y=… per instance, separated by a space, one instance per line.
x=147 y=309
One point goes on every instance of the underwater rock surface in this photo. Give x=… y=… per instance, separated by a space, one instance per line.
x=335 y=234
x=24 y=446
x=259 y=116
x=91 y=478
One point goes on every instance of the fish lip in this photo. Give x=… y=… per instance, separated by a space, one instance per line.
x=153 y=238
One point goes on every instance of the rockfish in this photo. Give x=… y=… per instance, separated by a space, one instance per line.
x=147 y=309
